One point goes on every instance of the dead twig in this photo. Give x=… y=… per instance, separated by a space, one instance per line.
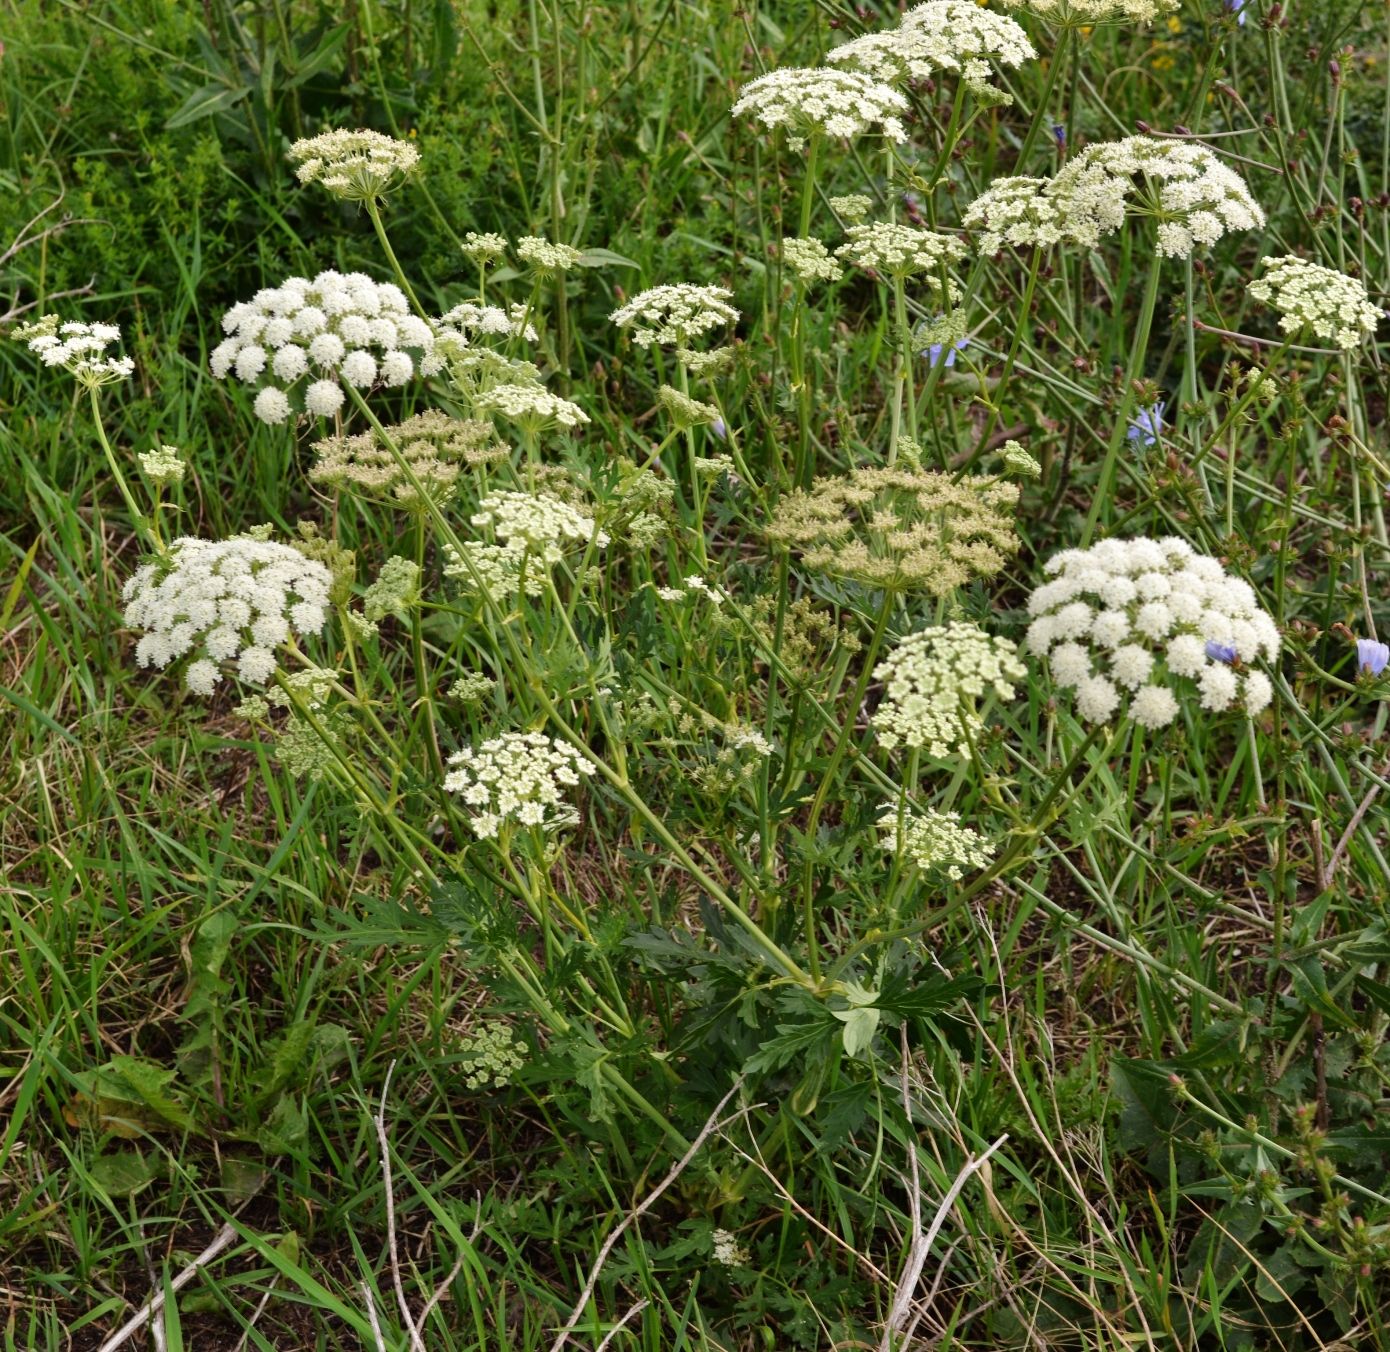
x=712 y=1124
x=155 y=1304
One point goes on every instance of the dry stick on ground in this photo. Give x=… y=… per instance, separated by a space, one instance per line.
x=1325 y=877
x=417 y=1343
x=712 y=1124
x=761 y=1164
x=372 y=1318
x=922 y=1242
x=224 y=1237
x=613 y=1332
x=413 y=1325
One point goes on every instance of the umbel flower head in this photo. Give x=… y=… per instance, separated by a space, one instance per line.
x=471 y=323
x=434 y=445
x=1018 y=211
x=899 y=250
x=340 y=326
x=674 y=314
x=955 y=36
x=809 y=260
x=357 y=166
x=1190 y=193
x=1332 y=305
x=240 y=598
x=935 y=842
x=1082 y=13
x=538 y=522
x=1150 y=619
x=517 y=779
x=820 y=101
x=900 y=530
x=934 y=680
x=532 y=407
x=544 y=257
x=79 y=348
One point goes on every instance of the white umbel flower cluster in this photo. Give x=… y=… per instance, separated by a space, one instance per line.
x=809 y=260
x=674 y=314
x=934 y=841
x=537 y=522
x=817 y=101
x=519 y=778
x=1334 y=306
x=355 y=165
x=78 y=347
x=934 y=680
x=898 y=250
x=1142 y=617
x=1192 y=195
x=1018 y=211
x=940 y=35
x=544 y=257
x=531 y=406
x=470 y=323
x=340 y=326
x=1080 y=13
x=242 y=598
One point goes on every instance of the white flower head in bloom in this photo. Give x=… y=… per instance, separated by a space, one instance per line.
x=544 y=257
x=1081 y=13
x=899 y=250
x=935 y=680
x=1334 y=306
x=674 y=314
x=79 y=348
x=852 y=207
x=810 y=261
x=1192 y=195
x=357 y=166
x=164 y=466
x=935 y=842
x=532 y=407
x=541 y=524
x=484 y=248
x=821 y=101
x=956 y=36
x=340 y=327
x=239 y=598
x=1146 y=619
x=517 y=779
x=1017 y=211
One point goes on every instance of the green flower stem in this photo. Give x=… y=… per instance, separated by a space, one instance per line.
x=907 y=386
x=842 y=742
x=1040 y=114
x=1127 y=399
x=145 y=528
x=1259 y=1138
x=1020 y=841
x=1020 y=325
x=697 y=496
x=778 y=959
x=374 y=212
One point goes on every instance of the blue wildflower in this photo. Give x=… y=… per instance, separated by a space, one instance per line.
x=719 y=429
x=1147 y=424
x=1059 y=132
x=1372 y=657
x=1237 y=7
x=1220 y=652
